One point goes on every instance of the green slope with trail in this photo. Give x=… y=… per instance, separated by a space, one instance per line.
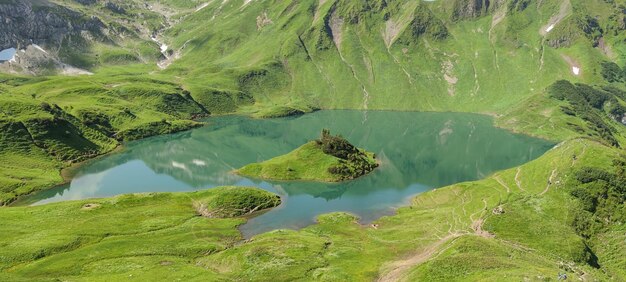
x=517 y=224
x=553 y=69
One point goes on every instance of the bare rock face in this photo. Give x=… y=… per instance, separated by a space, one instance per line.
x=470 y=9
x=86 y=2
x=26 y=22
x=115 y=8
x=518 y=5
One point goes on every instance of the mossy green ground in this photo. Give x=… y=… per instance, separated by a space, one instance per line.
x=50 y=123
x=446 y=234
x=309 y=162
x=330 y=56
x=128 y=235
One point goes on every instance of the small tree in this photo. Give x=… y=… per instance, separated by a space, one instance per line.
x=336 y=145
x=612 y=72
x=46 y=107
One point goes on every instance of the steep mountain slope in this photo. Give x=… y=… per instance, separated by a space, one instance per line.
x=58 y=121
x=73 y=37
x=553 y=69
x=401 y=55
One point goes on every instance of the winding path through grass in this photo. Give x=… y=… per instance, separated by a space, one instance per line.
x=399 y=268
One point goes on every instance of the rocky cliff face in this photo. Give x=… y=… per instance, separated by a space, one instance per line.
x=469 y=9
x=26 y=22
x=86 y=2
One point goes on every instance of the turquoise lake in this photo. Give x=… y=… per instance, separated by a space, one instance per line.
x=417 y=151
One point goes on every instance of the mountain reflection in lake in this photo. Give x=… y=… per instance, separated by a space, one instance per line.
x=418 y=151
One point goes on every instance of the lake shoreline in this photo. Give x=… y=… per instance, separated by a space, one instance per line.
x=69 y=173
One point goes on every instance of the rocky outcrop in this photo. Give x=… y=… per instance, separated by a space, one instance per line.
x=86 y=2
x=469 y=9
x=34 y=60
x=115 y=8
x=423 y=23
x=26 y=22
x=518 y=5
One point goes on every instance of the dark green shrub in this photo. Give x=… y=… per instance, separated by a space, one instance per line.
x=588 y=103
x=336 y=145
x=92 y=118
x=612 y=72
x=353 y=162
x=46 y=107
x=602 y=195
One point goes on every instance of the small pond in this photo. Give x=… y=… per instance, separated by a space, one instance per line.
x=7 y=54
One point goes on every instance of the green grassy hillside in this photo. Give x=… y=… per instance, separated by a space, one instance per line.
x=53 y=122
x=132 y=231
x=401 y=55
x=553 y=69
x=518 y=224
x=276 y=58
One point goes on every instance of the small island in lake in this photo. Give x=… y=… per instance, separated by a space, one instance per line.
x=329 y=159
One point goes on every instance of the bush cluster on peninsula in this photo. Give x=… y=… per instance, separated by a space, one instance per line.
x=330 y=158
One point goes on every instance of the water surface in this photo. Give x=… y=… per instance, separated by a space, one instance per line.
x=7 y=54
x=418 y=151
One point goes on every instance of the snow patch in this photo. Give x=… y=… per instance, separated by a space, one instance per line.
x=7 y=54
x=564 y=11
x=179 y=165
x=163 y=64
x=39 y=48
x=199 y=162
x=574 y=65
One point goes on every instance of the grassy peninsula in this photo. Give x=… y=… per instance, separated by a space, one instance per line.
x=330 y=158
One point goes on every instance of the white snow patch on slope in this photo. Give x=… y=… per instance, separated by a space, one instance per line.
x=199 y=162
x=179 y=165
x=39 y=48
